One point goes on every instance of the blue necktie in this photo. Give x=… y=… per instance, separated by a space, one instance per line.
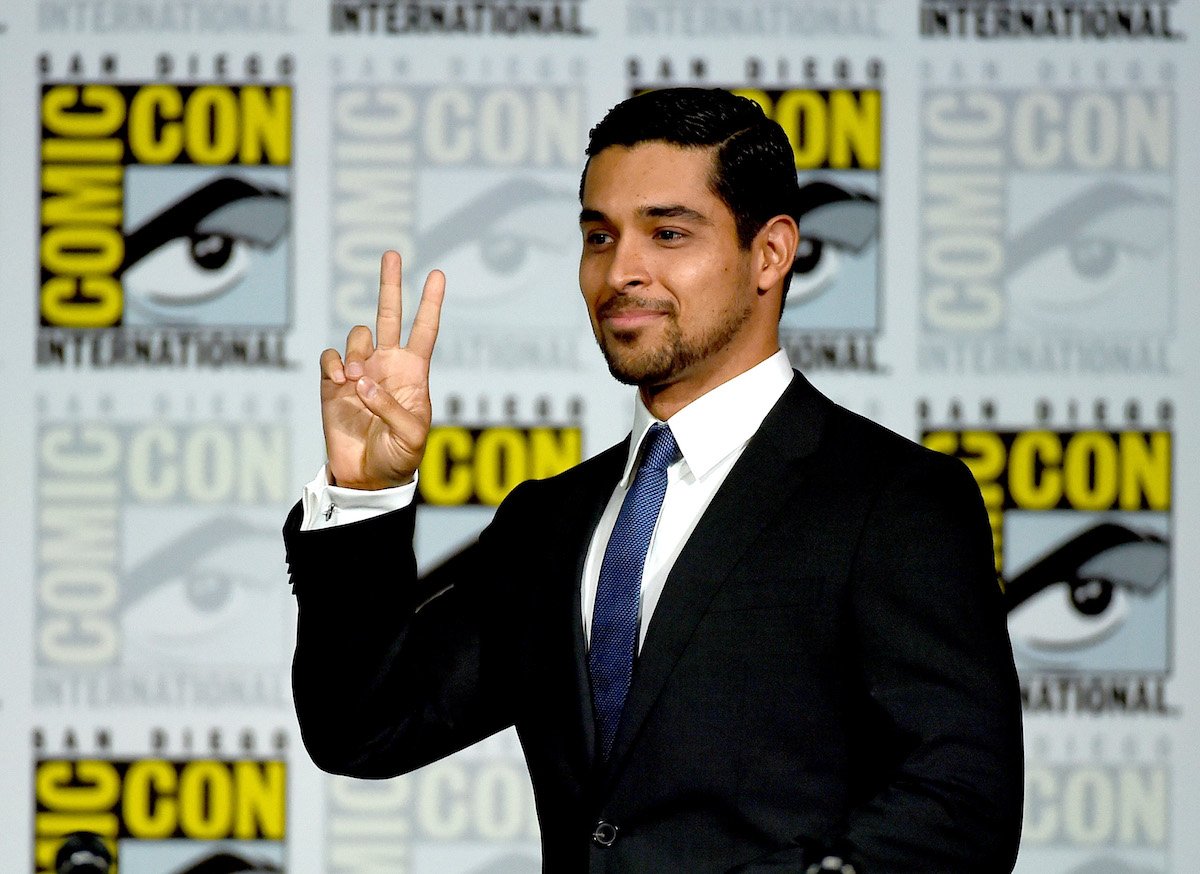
x=618 y=594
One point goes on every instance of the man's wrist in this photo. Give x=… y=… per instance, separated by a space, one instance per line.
x=370 y=486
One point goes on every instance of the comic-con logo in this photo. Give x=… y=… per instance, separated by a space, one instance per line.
x=1047 y=228
x=481 y=181
x=1097 y=804
x=164 y=223
x=480 y=465
x=473 y=811
x=1049 y=19
x=832 y=313
x=473 y=459
x=1082 y=527
x=151 y=813
x=448 y=17
x=156 y=572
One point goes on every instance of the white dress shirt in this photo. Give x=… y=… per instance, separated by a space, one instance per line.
x=711 y=431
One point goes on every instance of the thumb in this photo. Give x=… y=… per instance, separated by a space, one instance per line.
x=400 y=421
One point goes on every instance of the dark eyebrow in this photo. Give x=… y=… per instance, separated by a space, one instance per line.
x=587 y=214
x=674 y=211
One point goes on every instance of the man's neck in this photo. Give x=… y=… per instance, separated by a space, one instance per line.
x=666 y=399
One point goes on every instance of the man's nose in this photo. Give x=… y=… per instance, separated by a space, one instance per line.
x=628 y=267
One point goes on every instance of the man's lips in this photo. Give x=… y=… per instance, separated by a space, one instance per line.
x=631 y=314
x=633 y=318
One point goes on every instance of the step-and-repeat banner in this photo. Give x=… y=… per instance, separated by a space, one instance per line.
x=1001 y=222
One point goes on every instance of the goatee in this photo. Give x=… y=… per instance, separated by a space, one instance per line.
x=672 y=354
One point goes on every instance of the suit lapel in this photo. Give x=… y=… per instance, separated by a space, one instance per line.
x=758 y=485
x=581 y=510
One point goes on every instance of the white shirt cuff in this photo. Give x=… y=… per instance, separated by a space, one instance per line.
x=327 y=506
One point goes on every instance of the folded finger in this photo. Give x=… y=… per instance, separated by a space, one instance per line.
x=332 y=367
x=358 y=350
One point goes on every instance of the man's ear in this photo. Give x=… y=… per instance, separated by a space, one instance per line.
x=775 y=248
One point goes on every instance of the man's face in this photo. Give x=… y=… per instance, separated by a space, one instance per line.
x=667 y=286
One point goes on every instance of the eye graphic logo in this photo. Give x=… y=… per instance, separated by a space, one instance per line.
x=165 y=221
x=1101 y=592
x=210 y=581
x=836 y=225
x=206 y=258
x=1085 y=264
x=501 y=246
x=1082 y=531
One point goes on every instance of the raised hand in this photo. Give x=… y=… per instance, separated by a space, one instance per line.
x=375 y=405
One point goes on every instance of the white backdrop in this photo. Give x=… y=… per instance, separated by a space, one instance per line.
x=196 y=194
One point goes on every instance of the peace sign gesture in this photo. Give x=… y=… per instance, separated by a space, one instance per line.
x=375 y=405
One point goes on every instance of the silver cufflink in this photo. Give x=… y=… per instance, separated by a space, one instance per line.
x=835 y=864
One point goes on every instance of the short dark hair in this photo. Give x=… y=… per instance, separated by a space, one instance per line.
x=754 y=168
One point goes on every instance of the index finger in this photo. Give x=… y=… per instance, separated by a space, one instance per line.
x=387 y=317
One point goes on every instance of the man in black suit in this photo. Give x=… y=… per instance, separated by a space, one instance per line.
x=767 y=637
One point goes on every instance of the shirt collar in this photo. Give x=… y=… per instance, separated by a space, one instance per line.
x=719 y=421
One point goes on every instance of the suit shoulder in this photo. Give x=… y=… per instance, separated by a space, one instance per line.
x=858 y=448
x=880 y=452
x=601 y=471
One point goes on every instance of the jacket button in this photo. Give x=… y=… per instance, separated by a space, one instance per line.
x=605 y=834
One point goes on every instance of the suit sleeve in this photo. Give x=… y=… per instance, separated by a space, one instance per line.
x=937 y=666
x=391 y=672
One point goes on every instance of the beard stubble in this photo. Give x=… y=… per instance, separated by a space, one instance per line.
x=673 y=353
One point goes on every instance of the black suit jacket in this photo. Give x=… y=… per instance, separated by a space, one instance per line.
x=828 y=662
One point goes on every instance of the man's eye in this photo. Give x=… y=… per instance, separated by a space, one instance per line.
x=596 y=238
x=669 y=235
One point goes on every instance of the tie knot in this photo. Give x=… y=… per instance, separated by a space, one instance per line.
x=660 y=449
